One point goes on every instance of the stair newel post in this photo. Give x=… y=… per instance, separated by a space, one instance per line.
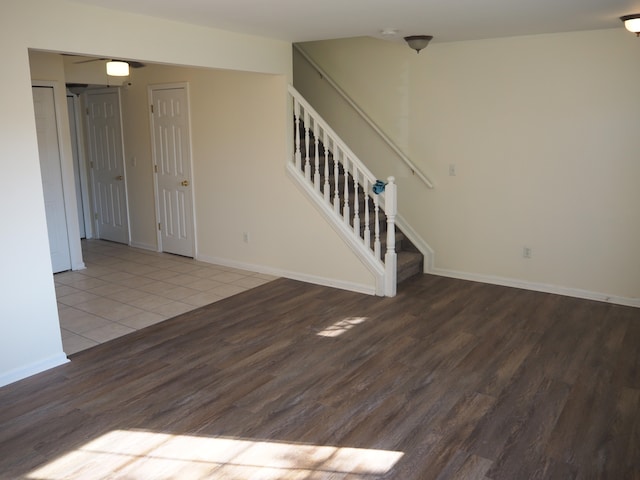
x=296 y=114
x=356 y=201
x=316 y=166
x=345 y=210
x=325 y=142
x=307 y=165
x=336 y=180
x=390 y=257
x=367 y=230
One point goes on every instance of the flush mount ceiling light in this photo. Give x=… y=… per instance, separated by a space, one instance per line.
x=632 y=23
x=418 y=42
x=117 y=69
x=389 y=32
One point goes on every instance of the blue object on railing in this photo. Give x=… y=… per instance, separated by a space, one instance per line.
x=378 y=187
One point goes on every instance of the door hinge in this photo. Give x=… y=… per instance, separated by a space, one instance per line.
x=155 y=168
x=151 y=108
x=95 y=216
x=159 y=226
x=87 y=109
x=91 y=164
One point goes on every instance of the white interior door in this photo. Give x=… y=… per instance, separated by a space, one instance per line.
x=107 y=165
x=51 y=171
x=172 y=164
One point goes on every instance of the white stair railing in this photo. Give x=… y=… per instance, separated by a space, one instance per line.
x=344 y=192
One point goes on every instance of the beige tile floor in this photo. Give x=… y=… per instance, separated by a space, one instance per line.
x=124 y=289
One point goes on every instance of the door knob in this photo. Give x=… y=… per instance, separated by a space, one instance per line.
x=185 y=183
x=119 y=177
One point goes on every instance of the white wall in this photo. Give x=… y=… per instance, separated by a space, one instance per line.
x=543 y=132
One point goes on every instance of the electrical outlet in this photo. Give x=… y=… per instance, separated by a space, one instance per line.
x=245 y=237
x=526 y=252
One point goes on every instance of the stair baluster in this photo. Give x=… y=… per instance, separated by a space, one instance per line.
x=356 y=202
x=326 y=188
x=316 y=156
x=298 y=155
x=336 y=180
x=376 y=226
x=307 y=165
x=345 y=209
x=367 y=229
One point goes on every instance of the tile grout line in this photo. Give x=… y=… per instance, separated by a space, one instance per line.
x=110 y=260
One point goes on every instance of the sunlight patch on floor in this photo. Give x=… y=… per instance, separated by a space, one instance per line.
x=141 y=455
x=342 y=326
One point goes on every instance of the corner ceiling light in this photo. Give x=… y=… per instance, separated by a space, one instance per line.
x=418 y=42
x=117 y=69
x=632 y=23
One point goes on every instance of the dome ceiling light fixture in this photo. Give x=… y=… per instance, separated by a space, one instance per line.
x=418 y=42
x=117 y=69
x=632 y=23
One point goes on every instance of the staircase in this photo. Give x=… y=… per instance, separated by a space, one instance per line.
x=340 y=182
x=409 y=259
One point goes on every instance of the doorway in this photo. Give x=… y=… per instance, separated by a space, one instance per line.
x=79 y=166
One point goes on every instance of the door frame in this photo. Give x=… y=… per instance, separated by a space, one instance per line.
x=83 y=174
x=167 y=86
x=66 y=165
x=94 y=211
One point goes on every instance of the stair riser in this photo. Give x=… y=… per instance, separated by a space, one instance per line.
x=409 y=271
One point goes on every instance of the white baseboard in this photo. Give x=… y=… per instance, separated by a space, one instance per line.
x=143 y=246
x=537 y=287
x=303 y=277
x=32 y=369
x=370 y=289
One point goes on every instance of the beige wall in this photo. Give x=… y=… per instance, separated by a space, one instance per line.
x=543 y=132
x=239 y=149
x=29 y=328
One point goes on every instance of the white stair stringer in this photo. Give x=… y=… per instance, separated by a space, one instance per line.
x=364 y=254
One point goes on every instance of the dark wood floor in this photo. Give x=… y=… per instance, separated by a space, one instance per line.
x=449 y=379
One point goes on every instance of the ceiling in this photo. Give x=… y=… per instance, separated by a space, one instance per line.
x=447 y=20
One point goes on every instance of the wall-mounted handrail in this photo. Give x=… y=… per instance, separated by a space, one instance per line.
x=415 y=170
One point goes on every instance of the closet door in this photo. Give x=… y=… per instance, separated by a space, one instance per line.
x=51 y=171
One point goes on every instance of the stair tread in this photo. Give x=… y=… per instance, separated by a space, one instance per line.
x=408 y=257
